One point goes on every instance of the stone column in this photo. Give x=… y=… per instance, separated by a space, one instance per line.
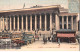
x=31 y=23
x=35 y=22
x=0 y=23
x=77 y=23
x=18 y=24
x=26 y=23
x=50 y=21
x=72 y=22
x=40 y=21
x=22 y=22
x=6 y=23
x=14 y=22
x=3 y=23
x=10 y=24
x=45 y=22
x=62 y=22
x=67 y=22
x=57 y=22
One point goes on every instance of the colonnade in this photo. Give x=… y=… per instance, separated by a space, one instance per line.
x=10 y=26
x=71 y=22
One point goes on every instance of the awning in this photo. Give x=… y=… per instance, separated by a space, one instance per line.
x=65 y=35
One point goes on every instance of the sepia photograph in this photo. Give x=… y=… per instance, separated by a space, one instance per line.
x=39 y=25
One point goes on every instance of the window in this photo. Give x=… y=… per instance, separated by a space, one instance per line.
x=69 y=26
x=69 y=18
x=64 y=26
x=60 y=26
x=60 y=18
x=64 y=18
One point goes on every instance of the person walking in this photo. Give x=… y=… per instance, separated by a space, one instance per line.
x=59 y=42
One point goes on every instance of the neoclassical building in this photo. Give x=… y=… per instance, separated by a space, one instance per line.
x=43 y=19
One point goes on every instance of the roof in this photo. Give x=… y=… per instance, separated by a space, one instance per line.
x=44 y=7
x=66 y=30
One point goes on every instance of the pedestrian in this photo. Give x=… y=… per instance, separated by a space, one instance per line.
x=52 y=39
x=40 y=34
x=48 y=38
x=35 y=32
x=59 y=42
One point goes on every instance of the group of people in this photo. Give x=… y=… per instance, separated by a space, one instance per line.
x=50 y=39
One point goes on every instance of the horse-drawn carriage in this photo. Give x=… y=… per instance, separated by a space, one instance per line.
x=28 y=37
x=5 y=39
x=17 y=38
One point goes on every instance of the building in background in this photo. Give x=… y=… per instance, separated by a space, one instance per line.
x=74 y=7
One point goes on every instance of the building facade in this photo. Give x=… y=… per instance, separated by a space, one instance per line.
x=45 y=20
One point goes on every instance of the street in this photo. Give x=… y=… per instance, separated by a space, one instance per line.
x=39 y=46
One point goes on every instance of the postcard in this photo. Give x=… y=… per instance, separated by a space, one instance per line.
x=39 y=25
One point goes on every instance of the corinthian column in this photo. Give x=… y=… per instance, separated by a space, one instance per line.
x=45 y=22
x=50 y=21
x=0 y=24
x=57 y=21
x=10 y=24
x=40 y=21
x=63 y=22
x=31 y=23
x=67 y=22
x=35 y=22
x=18 y=23
x=22 y=22
x=72 y=22
x=26 y=23
x=14 y=22
x=6 y=23
x=3 y=23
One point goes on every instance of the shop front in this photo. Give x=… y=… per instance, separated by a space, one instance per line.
x=66 y=35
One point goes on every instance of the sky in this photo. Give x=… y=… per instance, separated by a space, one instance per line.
x=18 y=4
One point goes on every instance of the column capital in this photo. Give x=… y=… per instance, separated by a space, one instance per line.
x=13 y=15
x=9 y=15
x=50 y=13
